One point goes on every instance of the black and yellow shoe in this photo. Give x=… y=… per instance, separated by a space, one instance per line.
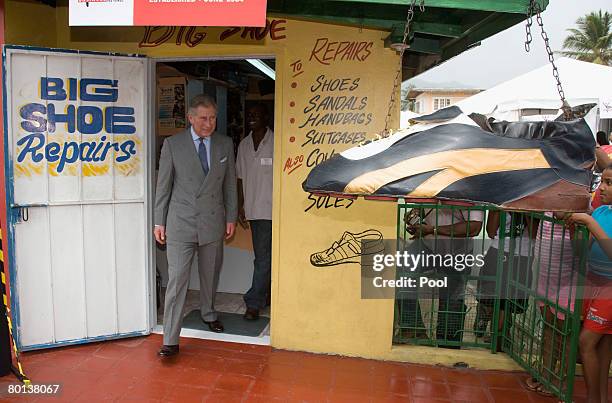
x=449 y=156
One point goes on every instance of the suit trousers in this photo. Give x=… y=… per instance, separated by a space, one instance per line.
x=180 y=260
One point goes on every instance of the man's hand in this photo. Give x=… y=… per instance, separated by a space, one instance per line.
x=419 y=230
x=229 y=230
x=160 y=234
x=242 y=218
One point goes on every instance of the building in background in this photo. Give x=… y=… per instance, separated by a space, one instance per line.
x=424 y=98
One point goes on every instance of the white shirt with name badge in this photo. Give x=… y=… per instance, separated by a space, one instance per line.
x=254 y=168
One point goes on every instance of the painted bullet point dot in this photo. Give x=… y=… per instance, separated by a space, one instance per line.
x=292 y=120
x=291 y=139
x=292 y=104
x=293 y=85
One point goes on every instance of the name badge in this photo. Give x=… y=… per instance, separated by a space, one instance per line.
x=266 y=161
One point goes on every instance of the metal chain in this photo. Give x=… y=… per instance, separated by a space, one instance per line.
x=529 y=38
x=398 y=74
x=534 y=8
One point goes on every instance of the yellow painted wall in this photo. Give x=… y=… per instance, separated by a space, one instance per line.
x=30 y=22
x=313 y=309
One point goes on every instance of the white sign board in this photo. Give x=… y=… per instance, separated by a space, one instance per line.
x=78 y=146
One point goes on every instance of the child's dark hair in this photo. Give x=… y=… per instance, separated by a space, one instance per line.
x=608 y=167
x=602 y=138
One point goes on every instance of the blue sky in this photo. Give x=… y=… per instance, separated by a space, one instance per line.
x=502 y=57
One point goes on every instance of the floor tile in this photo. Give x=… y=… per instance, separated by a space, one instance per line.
x=309 y=393
x=427 y=373
x=467 y=393
x=464 y=377
x=196 y=378
x=244 y=367
x=263 y=399
x=187 y=394
x=348 y=397
x=420 y=388
x=148 y=389
x=271 y=388
x=502 y=380
x=401 y=386
x=286 y=373
x=234 y=383
x=223 y=396
x=514 y=395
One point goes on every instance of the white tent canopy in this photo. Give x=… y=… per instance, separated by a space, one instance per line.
x=583 y=82
x=405 y=116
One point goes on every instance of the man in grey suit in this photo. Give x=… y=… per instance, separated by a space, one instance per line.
x=195 y=208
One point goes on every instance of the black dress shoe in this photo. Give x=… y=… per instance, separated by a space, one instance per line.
x=251 y=314
x=215 y=326
x=168 y=351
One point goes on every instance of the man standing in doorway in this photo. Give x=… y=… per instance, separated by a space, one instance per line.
x=195 y=208
x=254 y=171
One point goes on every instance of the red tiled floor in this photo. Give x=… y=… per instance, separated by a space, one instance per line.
x=244 y=367
x=428 y=400
x=427 y=373
x=509 y=395
x=187 y=394
x=315 y=394
x=262 y=399
x=353 y=382
x=234 y=383
x=463 y=377
x=271 y=388
x=222 y=396
x=400 y=386
x=467 y=393
x=428 y=389
x=212 y=371
x=320 y=377
x=503 y=380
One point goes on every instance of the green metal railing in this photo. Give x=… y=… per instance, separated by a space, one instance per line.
x=523 y=297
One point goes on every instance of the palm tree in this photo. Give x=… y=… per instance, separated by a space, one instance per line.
x=591 y=41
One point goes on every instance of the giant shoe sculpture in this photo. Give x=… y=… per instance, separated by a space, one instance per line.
x=448 y=155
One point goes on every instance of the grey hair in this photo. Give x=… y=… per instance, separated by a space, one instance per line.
x=201 y=100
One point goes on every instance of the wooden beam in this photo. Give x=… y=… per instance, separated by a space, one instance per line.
x=437 y=28
x=376 y=23
x=499 y=6
x=431 y=28
x=425 y=45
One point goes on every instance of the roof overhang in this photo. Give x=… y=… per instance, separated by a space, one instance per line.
x=445 y=29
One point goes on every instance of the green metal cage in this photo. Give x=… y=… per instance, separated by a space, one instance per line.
x=521 y=294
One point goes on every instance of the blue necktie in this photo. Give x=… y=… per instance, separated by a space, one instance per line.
x=203 y=156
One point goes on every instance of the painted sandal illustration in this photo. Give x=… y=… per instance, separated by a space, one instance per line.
x=349 y=249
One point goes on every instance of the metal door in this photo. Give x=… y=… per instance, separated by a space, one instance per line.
x=77 y=169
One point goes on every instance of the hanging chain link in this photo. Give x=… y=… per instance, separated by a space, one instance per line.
x=534 y=8
x=398 y=74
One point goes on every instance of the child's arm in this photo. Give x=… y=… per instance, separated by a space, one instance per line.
x=493 y=224
x=595 y=229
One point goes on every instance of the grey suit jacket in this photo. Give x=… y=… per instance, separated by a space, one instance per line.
x=195 y=208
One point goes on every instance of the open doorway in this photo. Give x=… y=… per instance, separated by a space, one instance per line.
x=237 y=85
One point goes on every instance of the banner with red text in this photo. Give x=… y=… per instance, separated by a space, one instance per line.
x=243 y=13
